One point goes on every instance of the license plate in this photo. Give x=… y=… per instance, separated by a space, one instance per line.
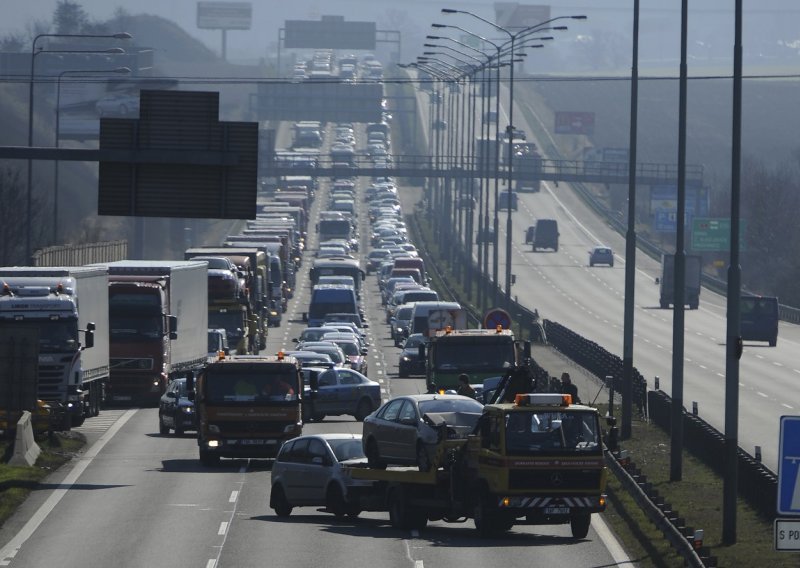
x=556 y=510
x=121 y=397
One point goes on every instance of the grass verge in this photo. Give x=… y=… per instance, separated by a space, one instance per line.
x=697 y=498
x=17 y=482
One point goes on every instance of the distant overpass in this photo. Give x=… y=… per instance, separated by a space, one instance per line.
x=449 y=167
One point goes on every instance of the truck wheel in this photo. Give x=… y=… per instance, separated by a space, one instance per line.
x=579 y=523
x=773 y=342
x=78 y=420
x=334 y=501
x=209 y=459
x=363 y=410
x=402 y=515
x=280 y=503
x=163 y=429
x=485 y=523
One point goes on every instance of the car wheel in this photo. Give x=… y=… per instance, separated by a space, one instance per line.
x=280 y=503
x=318 y=417
x=334 y=501
x=373 y=456
x=402 y=372
x=363 y=410
x=209 y=459
x=163 y=429
x=423 y=460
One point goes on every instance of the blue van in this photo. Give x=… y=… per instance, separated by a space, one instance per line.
x=759 y=319
x=330 y=298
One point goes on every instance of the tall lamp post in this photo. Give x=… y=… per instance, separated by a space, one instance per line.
x=510 y=128
x=58 y=131
x=34 y=53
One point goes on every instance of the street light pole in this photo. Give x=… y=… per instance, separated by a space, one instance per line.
x=512 y=37
x=34 y=53
x=58 y=133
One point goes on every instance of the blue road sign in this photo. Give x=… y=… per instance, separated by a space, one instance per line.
x=496 y=317
x=789 y=466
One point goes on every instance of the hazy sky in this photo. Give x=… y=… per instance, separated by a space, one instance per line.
x=710 y=21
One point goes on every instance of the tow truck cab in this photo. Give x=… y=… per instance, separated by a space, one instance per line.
x=247 y=406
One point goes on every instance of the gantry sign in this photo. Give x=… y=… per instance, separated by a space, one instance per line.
x=184 y=162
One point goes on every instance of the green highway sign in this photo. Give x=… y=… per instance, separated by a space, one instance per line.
x=714 y=234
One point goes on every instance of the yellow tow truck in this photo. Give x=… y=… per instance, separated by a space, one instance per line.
x=536 y=461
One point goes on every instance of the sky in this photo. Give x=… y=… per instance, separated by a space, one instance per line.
x=710 y=21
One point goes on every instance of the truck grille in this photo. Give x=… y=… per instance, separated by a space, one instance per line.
x=52 y=380
x=554 y=479
x=251 y=427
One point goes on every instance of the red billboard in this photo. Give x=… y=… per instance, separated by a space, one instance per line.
x=574 y=122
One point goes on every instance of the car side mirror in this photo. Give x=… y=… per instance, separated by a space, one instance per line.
x=364 y=351
x=408 y=421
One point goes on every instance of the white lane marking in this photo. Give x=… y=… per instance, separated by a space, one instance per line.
x=233 y=497
x=759 y=393
x=610 y=541
x=11 y=549
x=223 y=528
x=211 y=563
x=789 y=406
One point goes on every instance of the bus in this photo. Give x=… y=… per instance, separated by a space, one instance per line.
x=759 y=319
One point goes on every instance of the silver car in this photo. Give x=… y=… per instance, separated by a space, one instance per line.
x=407 y=430
x=308 y=473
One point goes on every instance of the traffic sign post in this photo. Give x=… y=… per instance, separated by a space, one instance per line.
x=789 y=467
x=787 y=534
x=495 y=317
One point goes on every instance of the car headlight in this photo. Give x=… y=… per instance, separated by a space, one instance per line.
x=405 y=359
x=187 y=409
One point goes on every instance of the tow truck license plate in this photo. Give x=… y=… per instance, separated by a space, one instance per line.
x=556 y=510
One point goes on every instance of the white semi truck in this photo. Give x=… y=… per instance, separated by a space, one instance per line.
x=69 y=305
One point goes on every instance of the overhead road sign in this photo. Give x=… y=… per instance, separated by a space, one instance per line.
x=714 y=234
x=184 y=162
x=789 y=467
x=332 y=32
x=326 y=101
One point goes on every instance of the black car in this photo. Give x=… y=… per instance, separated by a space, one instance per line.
x=410 y=363
x=175 y=410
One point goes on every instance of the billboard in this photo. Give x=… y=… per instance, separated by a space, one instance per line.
x=224 y=15
x=519 y=16
x=329 y=33
x=574 y=122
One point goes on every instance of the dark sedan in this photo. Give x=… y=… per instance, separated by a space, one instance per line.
x=339 y=391
x=410 y=363
x=175 y=410
x=407 y=430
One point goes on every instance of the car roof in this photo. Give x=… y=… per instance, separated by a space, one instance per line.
x=330 y=436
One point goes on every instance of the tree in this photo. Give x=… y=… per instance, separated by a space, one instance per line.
x=70 y=17
x=13 y=196
x=12 y=43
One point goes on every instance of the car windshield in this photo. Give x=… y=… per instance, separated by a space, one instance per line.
x=530 y=432
x=347 y=449
x=450 y=405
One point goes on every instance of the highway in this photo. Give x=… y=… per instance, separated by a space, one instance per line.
x=590 y=301
x=136 y=498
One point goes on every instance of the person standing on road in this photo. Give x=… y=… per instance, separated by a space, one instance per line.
x=567 y=387
x=464 y=388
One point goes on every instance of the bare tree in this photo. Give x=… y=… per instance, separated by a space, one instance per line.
x=13 y=43
x=70 y=17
